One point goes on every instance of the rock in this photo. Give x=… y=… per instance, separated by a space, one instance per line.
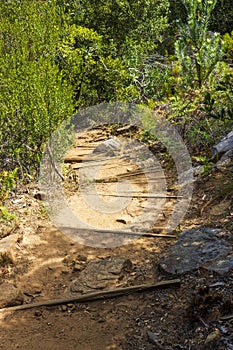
x=64 y=308
x=82 y=258
x=222 y=265
x=10 y=295
x=124 y=219
x=204 y=247
x=7 y=249
x=225 y=145
x=109 y=147
x=38 y=313
x=40 y=196
x=77 y=266
x=226 y=160
x=212 y=339
x=102 y=274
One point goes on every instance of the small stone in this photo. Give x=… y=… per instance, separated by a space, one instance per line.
x=82 y=258
x=121 y=220
x=71 y=307
x=39 y=195
x=64 y=308
x=38 y=313
x=77 y=267
x=101 y=320
x=213 y=337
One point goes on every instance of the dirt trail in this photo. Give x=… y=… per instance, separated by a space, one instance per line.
x=47 y=261
x=115 y=185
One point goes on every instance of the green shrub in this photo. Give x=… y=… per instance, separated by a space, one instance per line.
x=198 y=51
x=7 y=182
x=34 y=96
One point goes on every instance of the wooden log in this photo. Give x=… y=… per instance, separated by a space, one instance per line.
x=102 y=295
x=133 y=195
x=122 y=232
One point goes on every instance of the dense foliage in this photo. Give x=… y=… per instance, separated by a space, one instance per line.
x=57 y=56
x=34 y=95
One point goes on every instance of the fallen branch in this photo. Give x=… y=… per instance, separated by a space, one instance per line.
x=117 y=292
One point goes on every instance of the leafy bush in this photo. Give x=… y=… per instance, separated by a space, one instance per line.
x=34 y=96
x=7 y=182
x=202 y=104
x=5 y=215
x=198 y=50
x=122 y=24
x=228 y=46
x=57 y=56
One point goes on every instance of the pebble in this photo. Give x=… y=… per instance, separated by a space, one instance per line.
x=77 y=267
x=213 y=337
x=38 y=313
x=64 y=308
x=39 y=195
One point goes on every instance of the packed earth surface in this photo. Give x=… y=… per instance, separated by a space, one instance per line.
x=126 y=247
